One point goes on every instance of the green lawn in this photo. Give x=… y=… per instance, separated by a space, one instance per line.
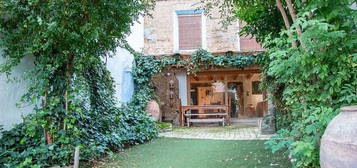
x=193 y=153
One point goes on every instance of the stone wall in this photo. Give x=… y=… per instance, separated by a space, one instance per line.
x=167 y=95
x=159 y=30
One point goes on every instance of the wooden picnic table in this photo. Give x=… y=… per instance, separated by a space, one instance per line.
x=223 y=115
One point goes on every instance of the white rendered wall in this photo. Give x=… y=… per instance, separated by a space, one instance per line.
x=10 y=94
x=182 y=82
x=121 y=63
x=120 y=66
x=136 y=38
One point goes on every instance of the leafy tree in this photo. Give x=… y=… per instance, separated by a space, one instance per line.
x=70 y=86
x=260 y=16
x=309 y=67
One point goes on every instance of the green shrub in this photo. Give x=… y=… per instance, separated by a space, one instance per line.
x=69 y=85
x=162 y=125
x=128 y=127
x=311 y=82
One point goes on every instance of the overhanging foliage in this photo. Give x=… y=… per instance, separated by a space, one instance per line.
x=69 y=84
x=310 y=68
x=147 y=66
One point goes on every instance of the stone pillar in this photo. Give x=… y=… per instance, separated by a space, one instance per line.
x=267 y=124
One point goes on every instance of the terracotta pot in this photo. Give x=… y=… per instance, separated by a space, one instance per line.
x=154 y=110
x=339 y=142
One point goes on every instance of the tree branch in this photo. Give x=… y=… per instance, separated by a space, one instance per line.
x=310 y=13
x=293 y=16
x=285 y=18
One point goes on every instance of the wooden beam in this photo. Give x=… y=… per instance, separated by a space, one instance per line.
x=229 y=72
x=248 y=76
x=236 y=77
x=210 y=77
x=207 y=81
x=196 y=78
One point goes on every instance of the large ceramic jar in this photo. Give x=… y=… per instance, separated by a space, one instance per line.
x=154 y=110
x=339 y=142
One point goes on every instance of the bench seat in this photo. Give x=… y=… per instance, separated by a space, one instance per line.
x=205 y=120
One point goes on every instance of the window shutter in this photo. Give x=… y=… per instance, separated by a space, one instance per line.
x=189 y=32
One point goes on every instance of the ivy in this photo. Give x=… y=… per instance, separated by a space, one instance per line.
x=309 y=66
x=147 y=66
x=70 y=87
x=311 y=82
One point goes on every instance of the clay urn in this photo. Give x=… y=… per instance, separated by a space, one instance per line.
x=339 y=142
x=154 y=110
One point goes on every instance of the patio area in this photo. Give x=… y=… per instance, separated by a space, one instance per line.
x=236 y=131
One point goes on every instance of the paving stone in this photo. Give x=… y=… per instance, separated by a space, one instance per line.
x=234 y=132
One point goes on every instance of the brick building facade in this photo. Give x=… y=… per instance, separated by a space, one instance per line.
x=162 y=30
x=179 y=26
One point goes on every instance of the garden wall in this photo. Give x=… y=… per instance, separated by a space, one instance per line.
x=11 y=92
x=120 y=66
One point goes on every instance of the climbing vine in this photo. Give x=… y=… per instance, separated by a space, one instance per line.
x=69 y=85
x=147 y=66
x=309 y=66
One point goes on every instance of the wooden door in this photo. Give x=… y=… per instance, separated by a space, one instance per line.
x=240 y=96
x=204 y=95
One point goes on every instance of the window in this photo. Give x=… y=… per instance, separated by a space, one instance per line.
x=248 y=42
x=189 y=31
x=256 y=88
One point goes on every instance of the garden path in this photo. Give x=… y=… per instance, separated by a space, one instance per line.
x=237 y=131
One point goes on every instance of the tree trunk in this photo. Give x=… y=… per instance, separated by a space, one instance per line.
x=47 y=134
x=69 y=73
x=293 y=16
x=283 y=14
x=285 y=18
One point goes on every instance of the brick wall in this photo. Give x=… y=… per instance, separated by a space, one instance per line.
x=159 y=30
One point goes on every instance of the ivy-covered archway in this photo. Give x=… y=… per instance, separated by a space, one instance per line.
x=147 y=66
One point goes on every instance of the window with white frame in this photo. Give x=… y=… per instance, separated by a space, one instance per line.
x=189 y=30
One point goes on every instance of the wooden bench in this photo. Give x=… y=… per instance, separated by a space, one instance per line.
x=205 y=120
x=221 y=117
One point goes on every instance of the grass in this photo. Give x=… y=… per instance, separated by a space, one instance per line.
x=193 y=153
x=162 y=125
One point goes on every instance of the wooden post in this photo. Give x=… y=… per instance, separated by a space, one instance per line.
x=76 y=157
x=188 y=90
x=226 y=98
x=182 y=120
x=226 y=90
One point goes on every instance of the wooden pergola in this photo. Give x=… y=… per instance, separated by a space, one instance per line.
x=222 y=111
